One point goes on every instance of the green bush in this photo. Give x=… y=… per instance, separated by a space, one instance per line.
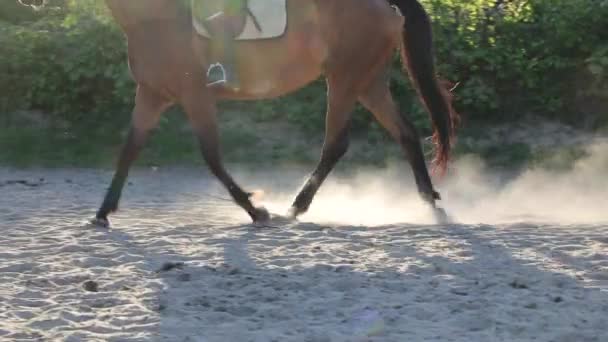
x=71 y=65
x=13 y=12
x=511 y=58
x=518 y=57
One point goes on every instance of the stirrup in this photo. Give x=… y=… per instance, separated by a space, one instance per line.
x=222 y=79
x=215 y=16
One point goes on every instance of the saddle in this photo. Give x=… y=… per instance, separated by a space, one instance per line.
x=257 y=19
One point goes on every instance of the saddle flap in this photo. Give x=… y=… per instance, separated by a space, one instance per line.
x=266 y=19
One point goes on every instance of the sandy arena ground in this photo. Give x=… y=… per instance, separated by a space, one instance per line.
x=526 y=263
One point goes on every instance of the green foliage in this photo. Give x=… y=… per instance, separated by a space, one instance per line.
x=511 y=58
x=518 y=57
x=13 y=12
x=71 y=64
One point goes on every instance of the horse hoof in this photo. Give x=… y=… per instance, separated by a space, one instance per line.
x=261 y=215
x=441 y=216
x=100 y=222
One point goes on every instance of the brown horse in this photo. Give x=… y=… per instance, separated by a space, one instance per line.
x=349 y=42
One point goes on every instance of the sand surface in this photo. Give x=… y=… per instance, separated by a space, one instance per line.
x=182 y=265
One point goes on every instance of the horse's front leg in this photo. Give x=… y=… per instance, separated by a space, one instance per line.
x=202 y=113
x=149 y=106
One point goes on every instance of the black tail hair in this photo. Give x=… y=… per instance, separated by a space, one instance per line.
x=418 y=59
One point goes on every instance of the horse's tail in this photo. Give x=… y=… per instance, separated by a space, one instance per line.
x=418 y=58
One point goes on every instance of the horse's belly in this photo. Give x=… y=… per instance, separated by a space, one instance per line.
x=277 y=68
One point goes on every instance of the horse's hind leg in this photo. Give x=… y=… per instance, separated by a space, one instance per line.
x=341 y=102
x=148 y=108
x=202 y=113
x=379 y=101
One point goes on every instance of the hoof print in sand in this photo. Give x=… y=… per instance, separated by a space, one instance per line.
x=169 y=266
x=91 y=286
x=184 y=277
x=518 y=284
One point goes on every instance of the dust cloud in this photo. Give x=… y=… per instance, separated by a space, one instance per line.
x=472 y=194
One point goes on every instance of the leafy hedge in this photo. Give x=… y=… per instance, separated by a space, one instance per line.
x=516 y=57
x=71 y=64
x=511 y=58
